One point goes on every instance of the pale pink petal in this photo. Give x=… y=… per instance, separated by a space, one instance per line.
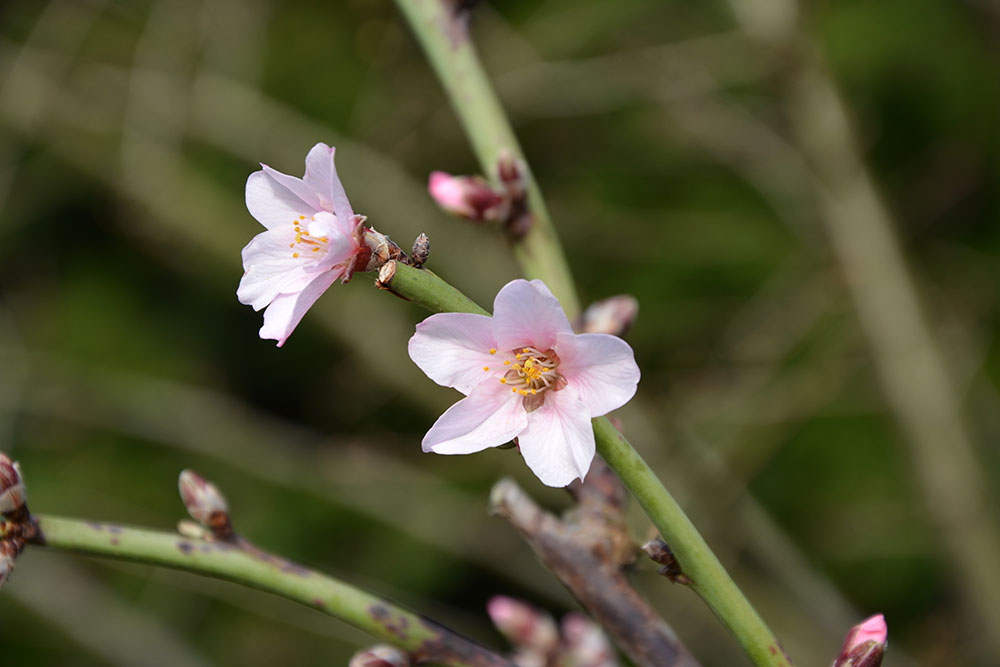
x=270 y=268
x=321 y=177
x=340 y=246
x=488 y=417
x=526 y=313
x=296 y=186
x=600 y=367
x=271 y=203
x=453 y=348
x=287 y=310
x=558 y=444
x=449 y=194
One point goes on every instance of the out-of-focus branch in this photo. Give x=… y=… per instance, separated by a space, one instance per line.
x=911 y=367
x=441 y=27
x=586 y=552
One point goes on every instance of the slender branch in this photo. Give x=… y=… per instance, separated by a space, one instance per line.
x=442 y=31
x=426 y=641
x=585 y=551
x=707 y=576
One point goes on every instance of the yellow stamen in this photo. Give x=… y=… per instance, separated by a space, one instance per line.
x=507 y=362
x=295 y=254
x=486 y=368
x=493 y=350
x=503 y=380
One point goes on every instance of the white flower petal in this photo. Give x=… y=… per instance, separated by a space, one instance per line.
x=321 y=177
x=296 y=186
x=526 y=313
x=601 y=368
x=272 y=204
x=270 y=268
x=558 y=444
x=488 y=417
x=453 y=348
x=287 y=310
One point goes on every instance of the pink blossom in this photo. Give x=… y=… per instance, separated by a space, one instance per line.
x=865 y=644
x=525 y=374
x=310 y=240
x=468 y=197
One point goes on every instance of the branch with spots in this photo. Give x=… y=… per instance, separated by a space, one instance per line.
x=587 y=550
x=210 y=547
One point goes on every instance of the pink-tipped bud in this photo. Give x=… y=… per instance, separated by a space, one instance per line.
x=523 y=625
x=380 y=655
x=12 y=493
x=613 y=315
x=469 y=197
x=203 y=501
x=865 y=644
x=586 y=643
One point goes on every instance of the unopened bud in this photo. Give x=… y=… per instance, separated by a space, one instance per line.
x=380 y=655
x=510 y=173
x=865 y=644
x=659 y=551
x=523 y=625
x=421 y=250
x=12 y=493
x=204 y=502
x=614 y=315
x=587 y=645
x=469 y=197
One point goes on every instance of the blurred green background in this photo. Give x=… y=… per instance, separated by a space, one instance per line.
x=679 y=164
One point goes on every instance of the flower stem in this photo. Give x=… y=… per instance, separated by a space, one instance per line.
x=426 y=641
x=441 y=29
x=708 y=578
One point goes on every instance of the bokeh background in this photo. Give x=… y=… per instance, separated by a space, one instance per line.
x=692 y=155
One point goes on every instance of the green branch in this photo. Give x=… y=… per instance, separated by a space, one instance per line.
x=445 y=40
x=426 y=641
x=708 y=577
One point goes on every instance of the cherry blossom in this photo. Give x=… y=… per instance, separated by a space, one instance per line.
x=312 y=237
x=525 y=374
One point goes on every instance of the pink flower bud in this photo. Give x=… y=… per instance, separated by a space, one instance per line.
x=522 y=625
x=865 y=644
x=12 y=492
x=587 y=645
x=203 y=501
x=380 y=655
x=613 y=315
x=468 y=197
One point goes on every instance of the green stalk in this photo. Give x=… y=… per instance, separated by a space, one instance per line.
x=426 y=641
x=709 y=578
x=445 y=40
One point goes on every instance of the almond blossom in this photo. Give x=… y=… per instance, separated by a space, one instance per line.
x=311 y=239
x=525 y=375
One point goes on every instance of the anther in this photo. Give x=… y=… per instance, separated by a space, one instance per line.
x=493 y=350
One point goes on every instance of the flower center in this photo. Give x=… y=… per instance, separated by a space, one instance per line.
x=530 y=373
x=311 y=238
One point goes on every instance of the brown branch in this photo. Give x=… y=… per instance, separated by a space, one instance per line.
x=586 y=551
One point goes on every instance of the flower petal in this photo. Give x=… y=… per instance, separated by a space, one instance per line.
x=271 y=203
x=340 y=247
x=453 y=348
x=600 y=367
x=296 y=186
x=270 y=268
x=287 y=310
x=321 y=177
x=526 y=313
x=558 y=444
x=488 y=417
